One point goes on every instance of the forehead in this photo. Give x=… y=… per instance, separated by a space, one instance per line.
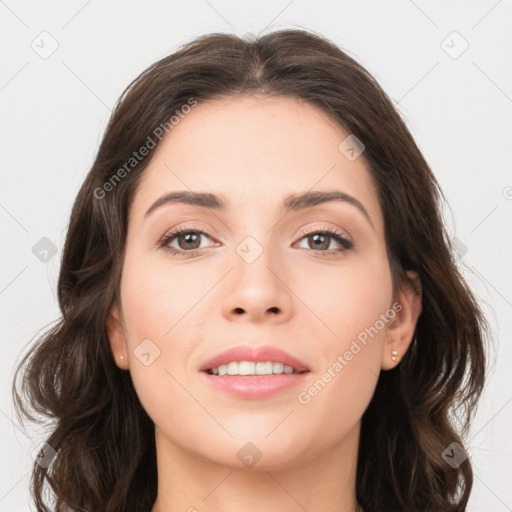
x=254 y=150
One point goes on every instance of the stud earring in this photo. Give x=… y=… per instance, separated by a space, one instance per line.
x=394 y=356
x=121 y=357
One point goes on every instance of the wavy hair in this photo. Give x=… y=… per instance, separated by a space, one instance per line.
x=70 y=377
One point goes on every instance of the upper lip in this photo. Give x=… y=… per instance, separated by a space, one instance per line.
x=262 y=354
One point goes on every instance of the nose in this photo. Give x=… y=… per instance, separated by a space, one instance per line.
x=259 y=291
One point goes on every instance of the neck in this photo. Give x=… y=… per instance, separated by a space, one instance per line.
x=188 y=482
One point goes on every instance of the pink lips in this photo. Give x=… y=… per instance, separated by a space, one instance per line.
x=259 y=354
x=255 y=386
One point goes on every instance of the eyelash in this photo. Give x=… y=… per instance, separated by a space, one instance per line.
x=332 y=232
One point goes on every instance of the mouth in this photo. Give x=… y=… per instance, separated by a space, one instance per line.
x=253 y=368
x=251 y=373
x=249 y=360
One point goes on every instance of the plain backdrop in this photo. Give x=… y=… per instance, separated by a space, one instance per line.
x=446 y=66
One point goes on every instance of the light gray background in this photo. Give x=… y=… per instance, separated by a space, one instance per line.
x=53 y=112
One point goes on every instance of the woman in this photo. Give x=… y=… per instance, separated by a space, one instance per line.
x=260 y=306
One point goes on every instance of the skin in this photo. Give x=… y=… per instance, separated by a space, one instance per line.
x=256 y=150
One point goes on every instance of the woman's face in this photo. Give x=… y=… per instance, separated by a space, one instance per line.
x=261 y=275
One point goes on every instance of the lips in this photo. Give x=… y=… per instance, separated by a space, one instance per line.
x=257 y=354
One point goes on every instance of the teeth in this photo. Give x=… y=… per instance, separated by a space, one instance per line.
x=232 y=369
x=251 y=368
x=278 y=367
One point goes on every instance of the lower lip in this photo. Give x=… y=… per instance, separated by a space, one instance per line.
x=255 y=386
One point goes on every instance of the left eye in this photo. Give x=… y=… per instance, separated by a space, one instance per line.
x=321 y=240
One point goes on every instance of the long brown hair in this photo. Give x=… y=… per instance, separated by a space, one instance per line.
x=106 y=458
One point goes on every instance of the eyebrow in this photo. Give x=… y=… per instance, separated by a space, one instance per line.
x=292 y=202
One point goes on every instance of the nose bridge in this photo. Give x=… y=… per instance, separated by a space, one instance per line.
x=255 y=229
x=258 y=261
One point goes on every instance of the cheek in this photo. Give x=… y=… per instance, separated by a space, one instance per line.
x=157 y=296
x=352 y=307
x=345 y=300
x=346 y=373
x=154 y=304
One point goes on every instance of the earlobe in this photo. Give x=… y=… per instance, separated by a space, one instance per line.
x=116 y=337
x=401 y=330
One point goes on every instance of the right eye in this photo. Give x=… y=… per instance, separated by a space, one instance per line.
x=186 y=237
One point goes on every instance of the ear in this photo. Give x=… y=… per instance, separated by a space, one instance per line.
x=401 y=329
x=117 y=338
